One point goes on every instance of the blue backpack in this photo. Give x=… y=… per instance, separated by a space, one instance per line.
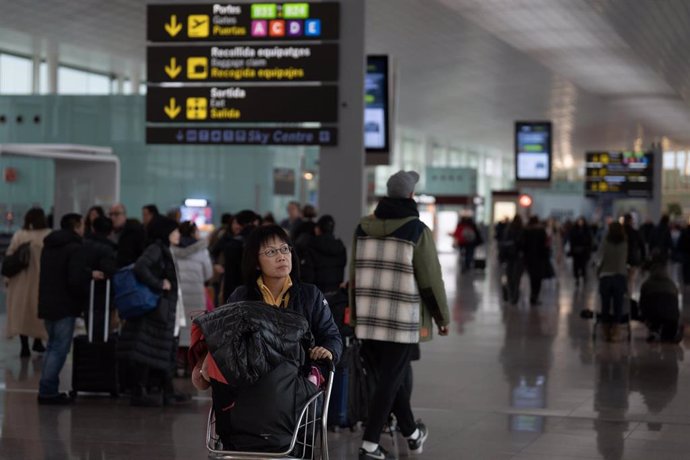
x=132 y=297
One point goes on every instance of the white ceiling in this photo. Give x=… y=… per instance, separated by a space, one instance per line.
x=605 y=71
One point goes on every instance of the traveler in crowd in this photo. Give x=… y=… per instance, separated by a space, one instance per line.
x=22 y=295
x=60 y=301
x=646 y=230
x=636 y=250
x=580 y=249
x=98 y=253
x=684 y=247
x=147 y=342
x=660 y=240
x=218 y=233
x=294 y=218
x=148 y=212
x=612 y=271
x=194 y=270
x=659 y=304
x=306 y=227
x=268 y=219
x=270 y=272
x=174 y=214
x=511 y=253
x=395 y=268
x=128 y=234
x=92 y=214
x=500 y=229
x=536 y=256
x=322 y=256
x=227 y=253
x=467 y=237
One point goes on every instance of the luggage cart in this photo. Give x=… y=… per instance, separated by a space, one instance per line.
x=303 y=445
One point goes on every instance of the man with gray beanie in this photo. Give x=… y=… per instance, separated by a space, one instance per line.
x=396 y=293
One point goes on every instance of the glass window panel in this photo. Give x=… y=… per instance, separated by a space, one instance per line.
x=142 y=88
x=127 y=87
x=15 y=74
x=72 y=81
x=669 y=160
x=680 y=161
x=43 y=78
x=97 y=84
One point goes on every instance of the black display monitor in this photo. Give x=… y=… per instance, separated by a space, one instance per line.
x=533 y=150
x=376 y=105
x=619 y=174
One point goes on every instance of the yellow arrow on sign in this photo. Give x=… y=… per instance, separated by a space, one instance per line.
x=173 y=27
x=173 y=70
x=172 y=110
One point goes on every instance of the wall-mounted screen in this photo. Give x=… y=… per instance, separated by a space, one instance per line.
x=376 y=107
x=620 y=174
x=533 y=151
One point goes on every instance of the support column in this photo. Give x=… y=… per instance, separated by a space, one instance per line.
x=135 y=78
x=36 y=67
x=52 y=61
x=341 y=168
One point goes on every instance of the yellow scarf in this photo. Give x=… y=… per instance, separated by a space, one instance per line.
x=282 y=299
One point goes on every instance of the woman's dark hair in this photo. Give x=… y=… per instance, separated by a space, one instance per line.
x=516 y=224
x=268 y=219
x=309 y=212
x=35 y=219
x=616 y=233
x=533 y=220
x=88 y=227
x=252 y=246
x=160 y=228
x=187 y=229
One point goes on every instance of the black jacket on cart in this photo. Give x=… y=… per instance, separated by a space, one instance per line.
x=307 y=300
x=261 y=351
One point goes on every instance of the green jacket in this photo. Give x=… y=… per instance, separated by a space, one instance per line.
x=395 y=265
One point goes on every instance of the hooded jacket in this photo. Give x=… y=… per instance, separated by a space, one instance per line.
x=396 y=287
x=322 y=261
x=60 y=286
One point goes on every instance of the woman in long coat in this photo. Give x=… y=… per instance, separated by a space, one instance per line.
x=22 y=289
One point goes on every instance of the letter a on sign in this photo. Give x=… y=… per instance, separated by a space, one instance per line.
x=259 y=29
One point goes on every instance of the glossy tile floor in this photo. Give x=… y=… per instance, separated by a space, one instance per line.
x=510 y=382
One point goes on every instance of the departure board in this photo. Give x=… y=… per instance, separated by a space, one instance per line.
x=622 y=174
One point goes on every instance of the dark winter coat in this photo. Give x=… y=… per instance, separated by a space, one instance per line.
x=659 y=298
x=636 y=247
x=231 y=248
x=580 y=242
x=536 y=251
x=149 y=339
x=307 y=300
x=322 y=261
x=60 y=290
x=660 y=240
x=131 y=242
x=261 y=351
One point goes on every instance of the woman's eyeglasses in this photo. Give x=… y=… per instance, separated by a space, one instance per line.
x=272 y=252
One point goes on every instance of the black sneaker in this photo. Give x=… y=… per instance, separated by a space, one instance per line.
x=380 y=454
x=416 y=446
x=59 y=399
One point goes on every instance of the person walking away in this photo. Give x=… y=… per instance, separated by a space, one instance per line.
x=228 y=253
x=128 y=234
x=148 y=213
x=659 y=304
x=22 y=295
x=580 y=249
x=325 y=258
x=536 y=256
x=660 y=240
x=147 y=342
x=467 y=237
x=306 y=227
x=194 y=270
x=612 y=272
x=60 y=302
x=396 y=291
x=511 y=252
x=636 y=251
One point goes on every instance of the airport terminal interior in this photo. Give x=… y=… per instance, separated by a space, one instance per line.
x=546 y=144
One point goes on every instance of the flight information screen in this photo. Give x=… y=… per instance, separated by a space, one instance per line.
x=533 y=151
x=376 y=132
x=623 y=174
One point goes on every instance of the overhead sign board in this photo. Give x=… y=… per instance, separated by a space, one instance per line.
x=621 y=174
x=243 y=63
x=242 y=136
x=243 y=22
x=269 y=104
x=533 y=151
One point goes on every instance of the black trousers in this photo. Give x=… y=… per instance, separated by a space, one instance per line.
x=580 y=266
x=391 y=363
x=535 y=284
x=514 y=272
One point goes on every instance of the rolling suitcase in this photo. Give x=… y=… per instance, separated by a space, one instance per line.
x=94 y=360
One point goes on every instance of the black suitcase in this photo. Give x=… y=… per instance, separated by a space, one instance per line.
x=94 y=360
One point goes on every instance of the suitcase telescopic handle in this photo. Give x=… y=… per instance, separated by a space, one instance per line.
x=106 y=319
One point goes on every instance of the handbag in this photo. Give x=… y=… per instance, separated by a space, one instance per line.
x=14 y=263
x=132 y=297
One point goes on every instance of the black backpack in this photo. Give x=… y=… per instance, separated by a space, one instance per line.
x=14 y=263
